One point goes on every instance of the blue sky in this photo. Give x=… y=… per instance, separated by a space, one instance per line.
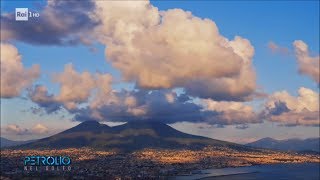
x=259 y=22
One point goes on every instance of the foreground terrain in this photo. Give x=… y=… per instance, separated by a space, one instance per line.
x=148 y=163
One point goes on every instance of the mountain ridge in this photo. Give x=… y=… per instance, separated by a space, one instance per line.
x=294 y=144
x=9 y=143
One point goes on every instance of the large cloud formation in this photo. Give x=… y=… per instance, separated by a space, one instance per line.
x=170 y=49
x=75 y=89
x=158 y=105
x=154 y=49
x=291 y=111
x=161 y=105
x=90 y=97
x=14 y=76
x=60 y=23
x=307 y=65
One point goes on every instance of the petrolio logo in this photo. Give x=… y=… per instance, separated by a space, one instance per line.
x=47 y=161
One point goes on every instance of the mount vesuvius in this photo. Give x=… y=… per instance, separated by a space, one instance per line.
x=131 y=136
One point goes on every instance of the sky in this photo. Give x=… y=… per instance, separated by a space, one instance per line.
x=236 y=71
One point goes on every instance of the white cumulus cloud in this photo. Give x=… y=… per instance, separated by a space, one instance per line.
x=14 y=76
x=294 y=110
x=173 y=48
x=308 y=65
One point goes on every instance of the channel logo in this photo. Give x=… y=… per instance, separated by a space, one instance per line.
x=22 y=14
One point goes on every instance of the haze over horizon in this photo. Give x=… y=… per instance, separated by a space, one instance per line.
x=211 y=69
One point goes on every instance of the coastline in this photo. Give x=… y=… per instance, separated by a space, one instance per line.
x=264 y=171
x=227 y=175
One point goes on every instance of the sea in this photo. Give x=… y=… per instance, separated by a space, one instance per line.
x=301 y=171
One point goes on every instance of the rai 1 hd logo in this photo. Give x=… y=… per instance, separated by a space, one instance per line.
x=23 y=14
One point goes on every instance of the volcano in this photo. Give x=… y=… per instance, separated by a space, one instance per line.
x=130 y=136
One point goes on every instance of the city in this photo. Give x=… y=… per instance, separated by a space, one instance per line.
x=146 y=163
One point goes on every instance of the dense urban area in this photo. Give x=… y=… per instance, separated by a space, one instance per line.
x=147 y=163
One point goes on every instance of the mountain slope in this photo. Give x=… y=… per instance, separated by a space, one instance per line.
x=8 y=143
x=311 y=144
x=128 y=137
